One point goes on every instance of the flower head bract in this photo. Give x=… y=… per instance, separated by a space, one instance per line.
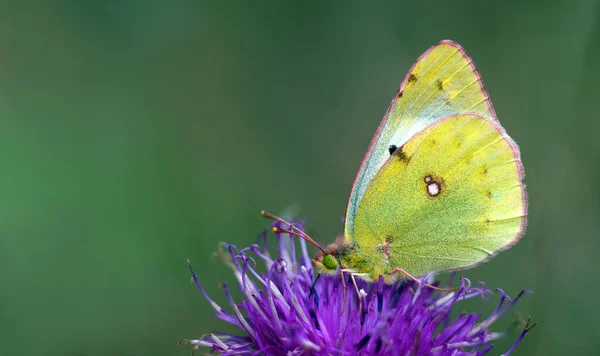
x=283 y=311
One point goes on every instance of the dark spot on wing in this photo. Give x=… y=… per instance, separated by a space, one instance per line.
x=412 y=78
x=401 y=93
x=487 y=221
x=385 y=248
x=401 y=155
x=489 y=194
x=392 y=149
x=439 y=84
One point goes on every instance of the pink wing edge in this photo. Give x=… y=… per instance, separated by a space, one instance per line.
x=403 y=85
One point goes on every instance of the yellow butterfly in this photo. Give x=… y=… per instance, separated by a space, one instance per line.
x=440 y=187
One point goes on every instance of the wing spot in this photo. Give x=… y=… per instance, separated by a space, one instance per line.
x=489 y=195
x=434 y=186
x=384 y=249
x=433 y=189
x=401 y=155
x=412 y=78
x=400 y=93
x=439 y=84
x=487 y=221
x=392 y=149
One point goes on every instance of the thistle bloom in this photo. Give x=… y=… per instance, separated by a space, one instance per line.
x=282 y=313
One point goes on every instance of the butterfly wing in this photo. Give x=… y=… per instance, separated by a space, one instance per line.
x=449 y=198
x=442 y=82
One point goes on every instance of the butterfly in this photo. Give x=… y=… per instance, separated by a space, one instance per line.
x=441 y=185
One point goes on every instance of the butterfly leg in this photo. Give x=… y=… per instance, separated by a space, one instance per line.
x=398 y=269
x=353 y=279
x=345 y=291
x=360 y=304
x=312 y=289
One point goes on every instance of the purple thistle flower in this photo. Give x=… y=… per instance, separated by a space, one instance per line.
x=282 y=313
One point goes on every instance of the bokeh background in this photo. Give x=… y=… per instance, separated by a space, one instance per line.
x=137 y=134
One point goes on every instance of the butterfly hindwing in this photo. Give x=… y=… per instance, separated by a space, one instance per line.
x=447 y=199
x=442 y=82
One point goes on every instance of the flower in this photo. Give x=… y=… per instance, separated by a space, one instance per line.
x=283 y=312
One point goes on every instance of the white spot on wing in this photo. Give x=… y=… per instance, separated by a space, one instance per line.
x=433 y=189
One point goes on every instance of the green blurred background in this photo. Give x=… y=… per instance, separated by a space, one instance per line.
x=136 y=134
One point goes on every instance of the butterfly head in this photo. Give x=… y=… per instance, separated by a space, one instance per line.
x=328 y=260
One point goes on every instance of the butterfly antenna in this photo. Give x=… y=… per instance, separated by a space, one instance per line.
x=398 y=269
x=298 y=232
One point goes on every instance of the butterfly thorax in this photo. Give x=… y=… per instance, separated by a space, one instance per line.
x=347 y=256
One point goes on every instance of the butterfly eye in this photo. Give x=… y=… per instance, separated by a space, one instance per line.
x=330 y=262
x=392 y=149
